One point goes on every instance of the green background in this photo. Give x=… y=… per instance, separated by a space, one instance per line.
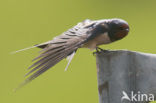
x=24 y=23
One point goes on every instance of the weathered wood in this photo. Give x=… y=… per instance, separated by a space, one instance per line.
x=125 y=71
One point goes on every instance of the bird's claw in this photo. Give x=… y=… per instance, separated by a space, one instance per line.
x=99 y=50
x=102 y=50
x=94 y=53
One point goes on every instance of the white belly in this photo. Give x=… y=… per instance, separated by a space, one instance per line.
x=99 y=40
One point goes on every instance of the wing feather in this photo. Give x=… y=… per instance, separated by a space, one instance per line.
x=46 y=56
x=57 y=50
x=42 y=61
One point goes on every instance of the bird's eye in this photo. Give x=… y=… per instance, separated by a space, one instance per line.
x=121 y=28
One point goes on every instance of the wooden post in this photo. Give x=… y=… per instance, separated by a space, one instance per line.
x=122 y=73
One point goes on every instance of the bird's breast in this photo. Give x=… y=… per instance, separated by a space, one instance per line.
x=99 y=40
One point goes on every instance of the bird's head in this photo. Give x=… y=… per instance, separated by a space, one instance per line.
x=117 y=29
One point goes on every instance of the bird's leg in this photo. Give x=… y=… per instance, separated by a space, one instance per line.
x=103 y=50
x=97 y=51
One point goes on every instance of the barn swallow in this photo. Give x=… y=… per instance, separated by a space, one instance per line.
x=87 y=34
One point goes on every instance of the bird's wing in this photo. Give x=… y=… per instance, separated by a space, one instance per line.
x=59 y=48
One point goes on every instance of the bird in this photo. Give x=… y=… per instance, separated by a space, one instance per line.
x=86 y=34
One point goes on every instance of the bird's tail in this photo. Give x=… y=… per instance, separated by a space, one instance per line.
x=42 y=45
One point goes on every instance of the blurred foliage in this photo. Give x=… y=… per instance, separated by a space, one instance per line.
x=27 y=22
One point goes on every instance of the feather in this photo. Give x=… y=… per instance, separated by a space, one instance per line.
x=69 y=58
x=50 y=60
x=58 y=48
x=45 y=43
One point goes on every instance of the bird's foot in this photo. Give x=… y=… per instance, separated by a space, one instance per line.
x=94 y=53
x=98 y=50
x=101 y=50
